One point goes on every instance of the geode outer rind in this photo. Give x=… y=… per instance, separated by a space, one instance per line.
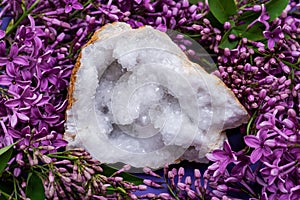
x=86 y=126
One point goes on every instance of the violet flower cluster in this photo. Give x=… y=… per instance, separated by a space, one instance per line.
x=38 y=51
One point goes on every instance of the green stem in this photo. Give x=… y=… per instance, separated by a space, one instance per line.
x=5 y=194
x=25 y=14
x=15 y=189
x=77 y=11
x=250 y=122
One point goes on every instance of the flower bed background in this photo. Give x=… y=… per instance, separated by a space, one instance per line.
x=257 y=50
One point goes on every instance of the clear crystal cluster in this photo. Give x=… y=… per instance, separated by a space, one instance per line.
x=136 y=98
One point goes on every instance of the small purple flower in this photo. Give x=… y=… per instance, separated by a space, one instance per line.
x=12 y=59
x=224 y=157
x=271 y=172
x=72 y=4
x=258 y=143
x=273 y=36
x=262 y=18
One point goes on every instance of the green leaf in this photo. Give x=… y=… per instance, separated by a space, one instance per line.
x=222 y=9
x=108 y=171
x=6 y=189
x=5 y=156
x=195 y=1
x=275 y=8
x=35 y=188
x=226 y=43
x=255 y=33
x=248 y=16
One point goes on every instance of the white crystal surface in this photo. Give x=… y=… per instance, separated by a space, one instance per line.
x=140 y=101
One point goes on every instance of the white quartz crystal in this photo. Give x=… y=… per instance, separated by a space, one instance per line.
x=137 y=99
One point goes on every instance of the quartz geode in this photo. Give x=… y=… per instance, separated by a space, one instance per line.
x=135 y=98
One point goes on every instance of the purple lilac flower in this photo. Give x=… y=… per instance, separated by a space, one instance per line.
x=258 y=143
x=12 y=60
x=223 y=157
x=273 y=36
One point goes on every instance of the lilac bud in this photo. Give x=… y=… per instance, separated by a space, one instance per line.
x=227 y=25
x=182 y=21
x=87 y=175
x=286 y=69
x=296 y=53
x=60 y=37
x=185 y=3
x=272 y=101
x=46 y=159
x=150 y=172
x=227 y=52
x=245 y=40
x=256 y=8
x=181 y=186
x=218 y=38
x=158 y=20
x=164 y=196
x=188 y=180
x=192 y=8
x=118 y=179
x=232 y=37
x=170 y=174
x=191 y=52
x=17 y=172
x=292 y=112
x=51 y=177
x=288 y=123
x=197 y=173
x=65 y=179
x=151 y=183
x=222 y=188
x=191 y=194
x=181 y=171
x=196 y=27
x=270 y=143
x=251 y=98
x=165 y=9
x=142 y=187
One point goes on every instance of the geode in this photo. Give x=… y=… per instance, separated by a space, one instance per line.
x=135 y=98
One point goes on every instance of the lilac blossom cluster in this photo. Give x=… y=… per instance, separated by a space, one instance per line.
x=38 y=51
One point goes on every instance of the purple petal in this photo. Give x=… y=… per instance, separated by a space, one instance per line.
x=267 y=34
x=26 y=130
x=22 y=116
x=14 y=133
x=68 y=8
x=252 y=141
x=10 y=69
x=271 y=43
x=3 y=61
x=52 y=79
x=44 y=85
x=13 y=120
x=52 y=119
x=256 y=155
x=227 y=147
x=21 y=61
x=219 y=154
x=2 y=34
x=12 y=103
x=77 y=6
x=14 y=50
x=59 y=143
x=5 y=80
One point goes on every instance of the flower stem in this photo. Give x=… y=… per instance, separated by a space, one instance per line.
x=25 y=14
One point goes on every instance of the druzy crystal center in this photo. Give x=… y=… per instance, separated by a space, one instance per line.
x=136 y=95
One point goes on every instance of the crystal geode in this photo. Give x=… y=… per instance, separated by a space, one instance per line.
x=135 y=98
